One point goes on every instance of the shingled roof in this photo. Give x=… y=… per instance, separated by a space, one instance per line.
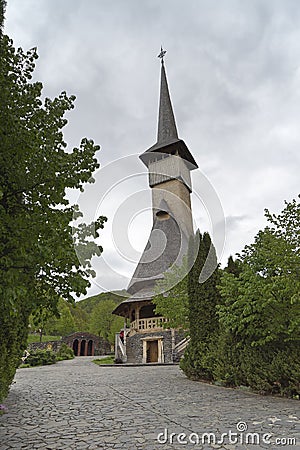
x=167 y=136
x=144 y=294
x=165 y=247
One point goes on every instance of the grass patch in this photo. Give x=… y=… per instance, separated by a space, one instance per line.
x=107 y=360
x=32 y=338
x=24 y=366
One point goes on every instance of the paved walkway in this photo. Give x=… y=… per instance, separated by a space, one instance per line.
x=78 y=405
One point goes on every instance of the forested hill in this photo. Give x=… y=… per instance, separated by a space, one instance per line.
x=92 y=314
x=88 y=304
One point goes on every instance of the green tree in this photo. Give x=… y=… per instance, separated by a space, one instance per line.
x=67 y=319
x=80 y=317
x=38 y=262
x=260 y=307
x=89 y=303
x=37 y=321
x=62 y=324
x=262 y=304
x=171 y=299
x=103 y=322
x=2 y=11
x=203 y=298
x=233 y=266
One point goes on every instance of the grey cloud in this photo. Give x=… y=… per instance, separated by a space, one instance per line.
x=234 y=221
x=234 y=75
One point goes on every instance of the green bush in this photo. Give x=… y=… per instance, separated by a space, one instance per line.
x=197 y=363
x=226 y=366
x=41 y=358
x=45 y=357
x=273 y=368
x=65 y=352
x=13 y=337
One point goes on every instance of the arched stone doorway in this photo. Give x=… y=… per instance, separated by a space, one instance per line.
x=75 y=347
x=84 y=344
x=82 y=347
x=90 y=348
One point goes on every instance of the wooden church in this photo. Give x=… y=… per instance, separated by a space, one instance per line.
x=169 y=164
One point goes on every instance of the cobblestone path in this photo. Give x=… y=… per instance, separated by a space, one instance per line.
x=78 y=405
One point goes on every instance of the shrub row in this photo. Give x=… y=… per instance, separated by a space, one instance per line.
x=45 y=357
x=269 y=369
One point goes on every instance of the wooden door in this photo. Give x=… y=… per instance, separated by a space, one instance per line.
x=152 y=351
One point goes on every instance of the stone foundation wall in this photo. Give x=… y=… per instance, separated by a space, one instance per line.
x=134 y=345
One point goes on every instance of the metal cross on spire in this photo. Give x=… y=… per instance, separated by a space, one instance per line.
x=162 y=54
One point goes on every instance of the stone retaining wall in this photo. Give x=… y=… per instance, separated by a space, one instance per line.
x=99 y=345
x=52 y=345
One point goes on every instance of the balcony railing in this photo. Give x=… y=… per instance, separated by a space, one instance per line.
x=152 y=323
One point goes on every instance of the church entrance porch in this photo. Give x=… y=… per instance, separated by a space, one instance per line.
x=153 y=350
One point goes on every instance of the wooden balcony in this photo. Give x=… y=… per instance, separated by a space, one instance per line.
x=150 y=324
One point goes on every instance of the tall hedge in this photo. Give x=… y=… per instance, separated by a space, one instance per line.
x=203 y=298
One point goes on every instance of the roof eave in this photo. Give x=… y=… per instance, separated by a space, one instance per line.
x=167 y=148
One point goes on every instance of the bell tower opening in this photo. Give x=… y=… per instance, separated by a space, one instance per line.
x=162 y=215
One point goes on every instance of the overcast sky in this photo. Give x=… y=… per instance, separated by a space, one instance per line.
x=234 y=75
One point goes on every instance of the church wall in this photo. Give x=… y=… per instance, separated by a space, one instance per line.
x=177 y=196
x=168 y=168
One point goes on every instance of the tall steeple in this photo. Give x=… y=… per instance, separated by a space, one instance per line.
x=167 y=131
x=168 y=141
x=169 y=163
